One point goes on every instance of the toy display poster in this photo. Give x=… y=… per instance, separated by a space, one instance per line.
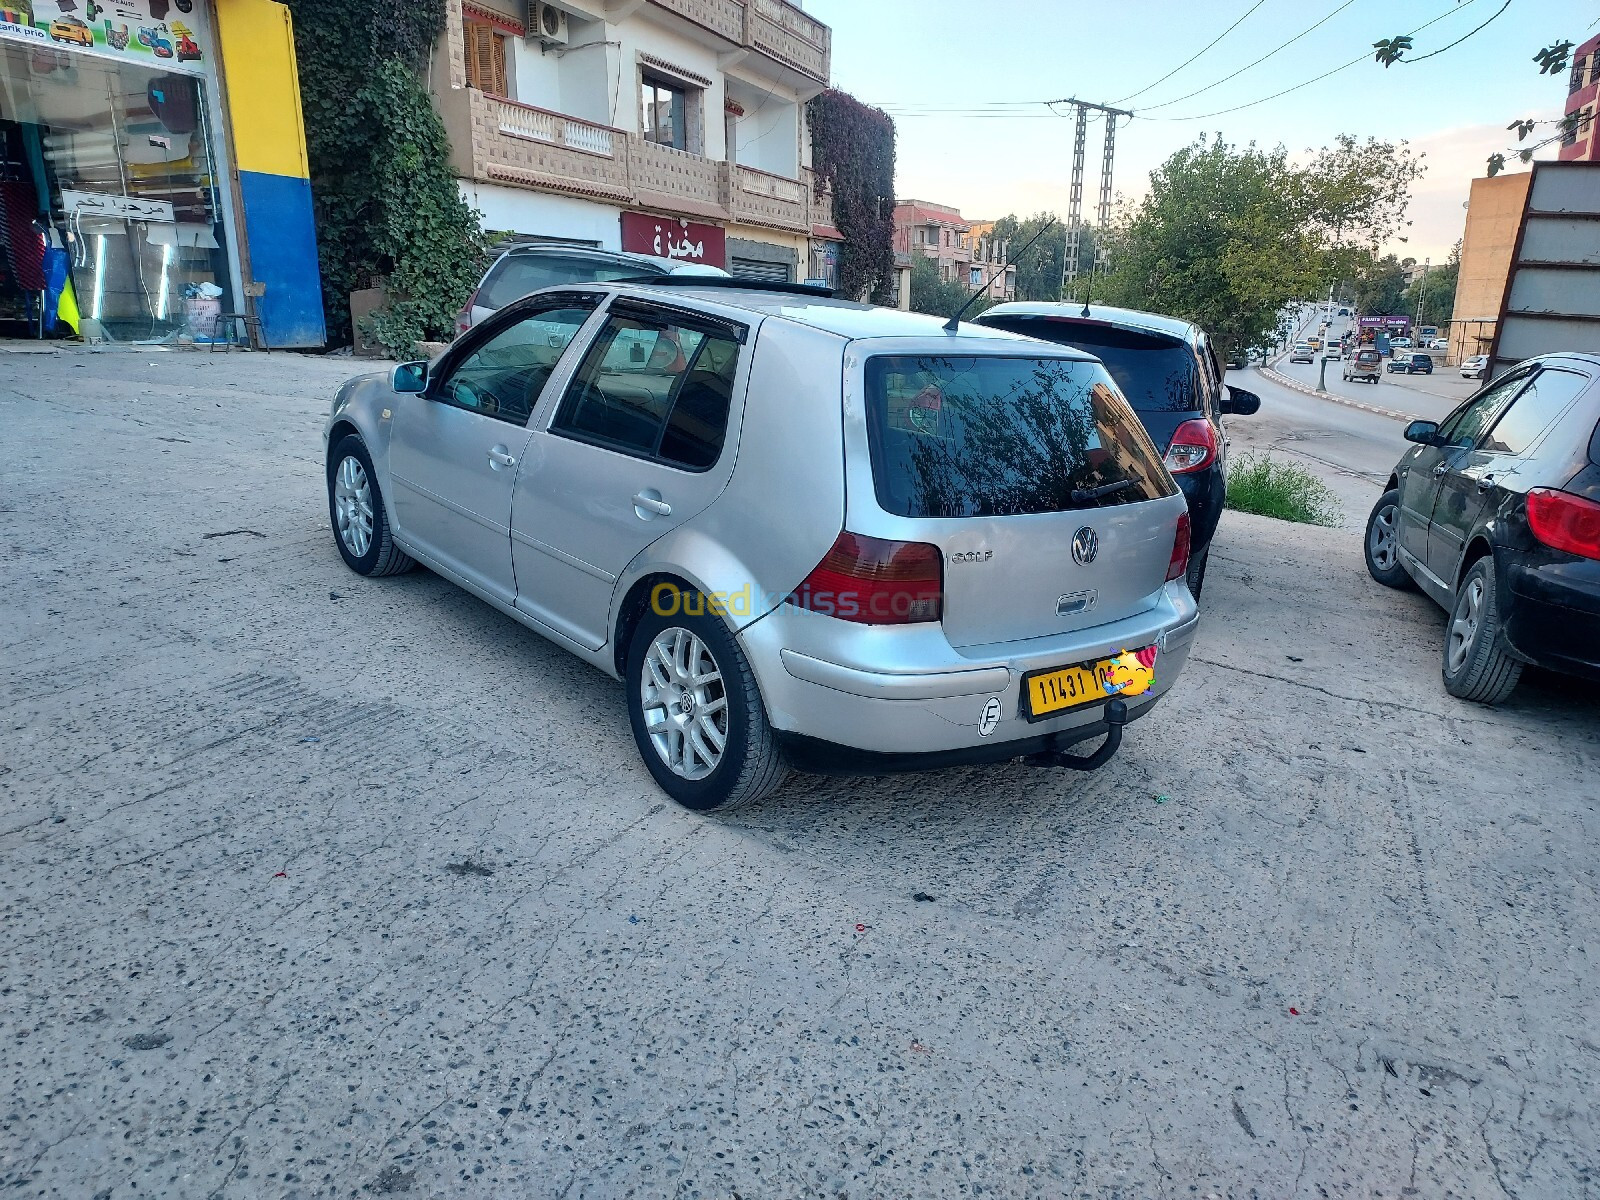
x=169 y=34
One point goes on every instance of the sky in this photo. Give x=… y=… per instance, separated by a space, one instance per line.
x=915 y=57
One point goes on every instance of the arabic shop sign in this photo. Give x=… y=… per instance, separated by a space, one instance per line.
x=1390 y=322
x=169 y=34
x=668 y=237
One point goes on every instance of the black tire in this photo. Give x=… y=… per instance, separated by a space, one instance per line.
x=750 y=767
x=1481 y=670
x=382 y=556
x=1381 y=544
x=1195 y=574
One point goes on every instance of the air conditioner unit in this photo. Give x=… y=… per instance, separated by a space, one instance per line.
x=547 y=24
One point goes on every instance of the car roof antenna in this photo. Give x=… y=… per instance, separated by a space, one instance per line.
x=1087 y=286
x=954 y=322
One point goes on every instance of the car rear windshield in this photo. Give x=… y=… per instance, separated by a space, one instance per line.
x=515 y=275
x=1156 y=373
x=992 y=436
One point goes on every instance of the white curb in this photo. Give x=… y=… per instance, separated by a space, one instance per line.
x=1296 y=386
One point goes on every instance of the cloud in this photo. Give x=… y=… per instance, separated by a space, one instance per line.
x=1455 y=157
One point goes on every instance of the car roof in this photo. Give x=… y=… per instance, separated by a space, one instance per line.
x=846 y=318
x=1098 y=314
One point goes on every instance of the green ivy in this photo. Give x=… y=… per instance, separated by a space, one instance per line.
x=387 y=205
x=852 y=151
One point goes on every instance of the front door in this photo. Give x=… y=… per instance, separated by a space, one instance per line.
x=1429 y=467
x=456 y=448
x=635 y=449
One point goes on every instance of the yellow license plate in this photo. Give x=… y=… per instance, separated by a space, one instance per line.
x=1055 y=691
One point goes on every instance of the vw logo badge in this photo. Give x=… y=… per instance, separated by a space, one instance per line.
x=1085 y=545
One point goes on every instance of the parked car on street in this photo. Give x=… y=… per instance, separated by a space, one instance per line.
x=1169 y=372
x=1362 y=366
x=1303 y=352
x=1418 y=364
x=1439 y=344
x=1400 y=343
x=801 y=531
x=1495 y=515
x=1473 y=367
x=528 y=266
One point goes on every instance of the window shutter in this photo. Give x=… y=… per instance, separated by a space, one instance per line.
x=486 y=58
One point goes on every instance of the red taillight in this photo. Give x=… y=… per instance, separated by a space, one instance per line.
x=464 y=317
x=875 y=582
x=1563 y=521
x=1178 y=564
x=1194 y=445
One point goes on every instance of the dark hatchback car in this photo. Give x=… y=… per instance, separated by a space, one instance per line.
x=1171 y=376
x=1495 y=514
x=1419 y=364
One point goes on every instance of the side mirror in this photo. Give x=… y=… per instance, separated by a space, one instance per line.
x=1423 y=433
x=1241 y=403
x=409 y=377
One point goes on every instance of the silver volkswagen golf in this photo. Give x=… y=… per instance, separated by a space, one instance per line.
x=803 y=532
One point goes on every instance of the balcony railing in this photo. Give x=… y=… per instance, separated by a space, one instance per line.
x=541 y=125
x=777 y=29
x=765 y=199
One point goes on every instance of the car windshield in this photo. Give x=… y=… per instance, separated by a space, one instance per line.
x=515 y=275
x=991 y=436
x=1156 y=373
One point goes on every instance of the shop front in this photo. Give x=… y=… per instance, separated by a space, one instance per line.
x=122 y=204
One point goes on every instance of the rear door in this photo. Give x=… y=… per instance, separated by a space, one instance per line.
x=1034 y=478
x=641 y=442
x=1468 y=493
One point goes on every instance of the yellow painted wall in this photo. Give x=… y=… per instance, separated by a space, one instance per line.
x=1494 y=211
x=263 y=86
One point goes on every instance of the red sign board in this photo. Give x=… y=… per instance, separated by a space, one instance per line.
x=668 y=237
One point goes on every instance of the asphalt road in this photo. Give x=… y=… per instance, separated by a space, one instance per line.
x=317 y=886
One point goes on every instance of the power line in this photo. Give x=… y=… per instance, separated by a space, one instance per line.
x=1360 y=58
x=1226 y=78
x=1194 y=56
x=1459 y=40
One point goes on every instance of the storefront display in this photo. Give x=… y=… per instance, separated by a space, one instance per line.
x=107 y=158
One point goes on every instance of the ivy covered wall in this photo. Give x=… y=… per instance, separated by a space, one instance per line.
x=387 y=205
x=852 y=151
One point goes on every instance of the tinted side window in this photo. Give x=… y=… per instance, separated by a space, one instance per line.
x=515 y=275
x=655 y=387
x=503 y=377
x=1545 y=399
x=1464 y=426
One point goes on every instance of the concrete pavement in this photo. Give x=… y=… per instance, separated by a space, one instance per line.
x=318 y=886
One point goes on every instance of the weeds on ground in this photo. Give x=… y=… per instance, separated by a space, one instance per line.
x=1269 y=487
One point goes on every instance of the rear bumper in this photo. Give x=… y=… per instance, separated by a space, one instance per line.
x=1553 y=618
x=1205 y=491
x=904 y=692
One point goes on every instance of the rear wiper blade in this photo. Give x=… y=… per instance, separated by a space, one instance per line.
x=1084 y=495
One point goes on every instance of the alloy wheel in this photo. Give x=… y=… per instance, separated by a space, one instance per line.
x=352 y=506
x=685 y=704
x=1464 y=625
x=1381 y=538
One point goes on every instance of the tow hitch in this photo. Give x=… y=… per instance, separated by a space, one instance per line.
x=1116 y=718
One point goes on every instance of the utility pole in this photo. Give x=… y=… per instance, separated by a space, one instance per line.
x=1069 y=256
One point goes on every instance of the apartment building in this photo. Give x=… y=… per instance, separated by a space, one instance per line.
x=1580 y=142
x=667 y=127
x=965 y=251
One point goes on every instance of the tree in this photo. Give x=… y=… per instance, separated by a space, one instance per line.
x=1039 y=270
x=1227 y=236
x=1432 y=298
x=1381 y=286
x=1551 y=60
x=936 y=296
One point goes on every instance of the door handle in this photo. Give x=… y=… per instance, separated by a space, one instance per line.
x=501 y=457
x=650 y=502
x=1485 y=483
x=1440 y=469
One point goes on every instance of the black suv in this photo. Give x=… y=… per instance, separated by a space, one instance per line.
x=1171 y=376
x=1495 y=514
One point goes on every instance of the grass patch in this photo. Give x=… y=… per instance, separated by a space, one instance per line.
x=1270 y=487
